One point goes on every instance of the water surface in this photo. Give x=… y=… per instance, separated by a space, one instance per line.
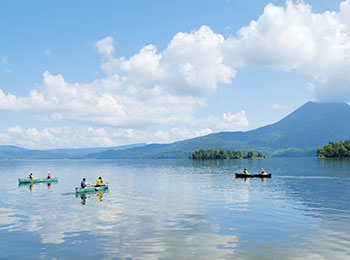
x=177 y=209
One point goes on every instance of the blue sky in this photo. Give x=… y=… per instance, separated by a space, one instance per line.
x=88 y=73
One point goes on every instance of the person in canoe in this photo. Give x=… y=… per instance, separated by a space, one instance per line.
x=31 y=176
x=245 y=171
x=49 y=176
x=99 y=182
x=84 y=183
x=263 y=172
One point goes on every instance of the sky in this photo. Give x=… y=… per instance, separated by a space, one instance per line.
x=109 y=73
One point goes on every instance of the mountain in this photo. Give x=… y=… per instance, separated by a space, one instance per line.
x=14 y=152
x=298 y=134
x=308 y=127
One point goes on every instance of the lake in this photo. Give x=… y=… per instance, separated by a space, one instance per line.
x=177 y=209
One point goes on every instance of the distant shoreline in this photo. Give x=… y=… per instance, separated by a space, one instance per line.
x=221 y=154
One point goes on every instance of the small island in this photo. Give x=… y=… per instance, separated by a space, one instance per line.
x=337 y=149
x=221 y=154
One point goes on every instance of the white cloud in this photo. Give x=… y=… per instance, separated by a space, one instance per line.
x=105 y=47
x=56 y=137
x=295 y=38
x=192 y=64
x=107 y=101
x=276 y=106
x=164 y=90
x=64 y=137
x=228 y=122
x=147 y=89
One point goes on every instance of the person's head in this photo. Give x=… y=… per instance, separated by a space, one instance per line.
x=84 y=179
x=31 y=173
x=100 y=178
x=48 y=172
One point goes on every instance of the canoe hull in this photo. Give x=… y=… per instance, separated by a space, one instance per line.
x=241 y=175
x=23 y=181
x=91 y=189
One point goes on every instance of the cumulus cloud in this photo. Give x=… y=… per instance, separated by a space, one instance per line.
x=107 y=101
x=146 y=89
x=192 y=64
x=317 y=45
x=65 y=137
x=228 y=122
x=105 y=46
x=57 y=137
x=165 y=89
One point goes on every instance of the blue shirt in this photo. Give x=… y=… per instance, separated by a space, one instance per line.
x=83 y=184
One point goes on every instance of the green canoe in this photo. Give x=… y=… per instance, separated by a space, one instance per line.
x=91 y=189
x=37 y=180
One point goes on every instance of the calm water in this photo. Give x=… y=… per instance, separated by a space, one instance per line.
x=177 y=209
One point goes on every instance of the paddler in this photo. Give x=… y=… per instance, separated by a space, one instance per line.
x=99 y=182
x=245 y=172
x=31 y=176
x=263 y=172
x=84 y=183
x=49 y=176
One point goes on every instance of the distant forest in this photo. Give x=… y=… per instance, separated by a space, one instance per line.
x=337 y=149
x=215 y=154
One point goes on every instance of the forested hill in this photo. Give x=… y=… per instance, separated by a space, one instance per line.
x=310 y=126
x=14 y=152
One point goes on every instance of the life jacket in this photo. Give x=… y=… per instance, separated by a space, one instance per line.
x=99 y=182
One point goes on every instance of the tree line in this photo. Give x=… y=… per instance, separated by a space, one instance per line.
x=215 y=154
x=337 y=149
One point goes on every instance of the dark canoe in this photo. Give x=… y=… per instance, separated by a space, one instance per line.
x=91 y=189
x=22 y=181
x=242 y=175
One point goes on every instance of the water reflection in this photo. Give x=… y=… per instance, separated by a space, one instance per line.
x=247 y=180
x=86 y=196
x=177 y=210
x=340 y=166
x=31 y=185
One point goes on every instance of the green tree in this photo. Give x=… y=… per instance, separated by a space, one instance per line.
x=261 y=155
x=335 y=149
x=321 y=152
x=250 y=155
x=220 y=154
